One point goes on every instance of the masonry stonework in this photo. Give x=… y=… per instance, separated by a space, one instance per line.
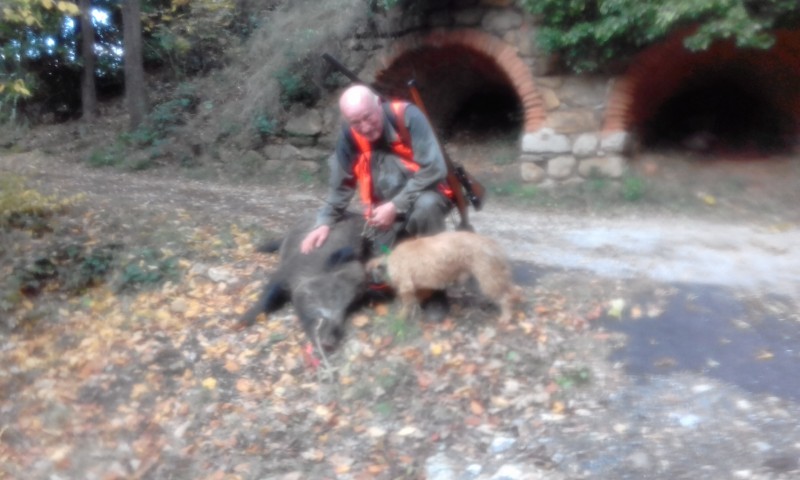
x=574 y=126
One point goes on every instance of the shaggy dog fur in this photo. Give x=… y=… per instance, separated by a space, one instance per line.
x=420 y=266
x=322 y=285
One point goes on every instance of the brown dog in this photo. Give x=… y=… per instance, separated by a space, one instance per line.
x=419 y=266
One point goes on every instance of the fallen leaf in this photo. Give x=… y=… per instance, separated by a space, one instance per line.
x=244 y=385
x=476 y=408
x=424 y=380
x=360 y=320
x=615 y=308
x=313 y=455
x=765 y=355
x=323 y=412
x=61 y=456
x=231 y=366
x=499 y=402
x=473 y=421
x=407 y=431
x=210 y=383
x=708 y=199
x=341 y=464
x=138 y=390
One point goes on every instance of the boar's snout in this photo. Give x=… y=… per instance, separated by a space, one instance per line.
x=330 y=334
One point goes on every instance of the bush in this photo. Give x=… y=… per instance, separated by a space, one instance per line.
x=296 y=87
x=163 y=119
x=21 y=206
x=71 y=269
x=149 y=267
x=590 y=36
x=633 y=188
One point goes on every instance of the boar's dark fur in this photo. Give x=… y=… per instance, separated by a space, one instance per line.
x=322 y=285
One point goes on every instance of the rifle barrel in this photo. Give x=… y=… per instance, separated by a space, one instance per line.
x=341 y=68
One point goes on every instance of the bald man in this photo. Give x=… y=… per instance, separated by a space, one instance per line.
x=388 y=154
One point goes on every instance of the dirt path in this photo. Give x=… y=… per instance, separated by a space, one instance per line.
x=657 y=347
x=756 y=257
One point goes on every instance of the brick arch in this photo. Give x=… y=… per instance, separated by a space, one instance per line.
x=658 y=72
x=501 y=54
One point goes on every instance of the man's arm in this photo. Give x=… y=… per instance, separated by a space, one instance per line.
x=341 y=187
x=427 y=154
x=341 y=184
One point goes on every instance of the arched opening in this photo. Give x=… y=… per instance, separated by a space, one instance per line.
x=465 y=93
x=478 y=93
x=721 y=101
x=726 y=111
x=494 y=111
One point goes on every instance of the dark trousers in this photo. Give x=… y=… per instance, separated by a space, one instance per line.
x=427 y=217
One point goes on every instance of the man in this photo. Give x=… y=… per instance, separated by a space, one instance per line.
x=388 y=151
x=389 y=154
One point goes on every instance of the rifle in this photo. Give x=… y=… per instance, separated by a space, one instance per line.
x=458 y=179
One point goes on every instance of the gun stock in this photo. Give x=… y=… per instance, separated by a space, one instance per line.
x=473 y=188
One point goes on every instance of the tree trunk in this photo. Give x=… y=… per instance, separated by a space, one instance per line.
x=88 y=92
x=135 y=95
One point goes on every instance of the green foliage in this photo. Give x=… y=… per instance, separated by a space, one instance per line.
x=189 y=36
x=37 y=52
x=19 y=204
x=633 y=188
x=296 y=86
x=31 y=278
x=147 y=268
x=111 y=156
x=163 y=121
x=590 y=35
x=71 y=269
x=515 y=189
x=164 y=118
x=265 y=125
x=574 y=378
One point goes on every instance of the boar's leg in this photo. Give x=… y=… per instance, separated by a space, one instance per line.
x=272 y=298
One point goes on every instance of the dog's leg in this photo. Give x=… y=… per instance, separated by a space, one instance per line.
x=408 y=304
x=509 y=300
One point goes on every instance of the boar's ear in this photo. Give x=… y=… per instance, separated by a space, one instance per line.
x=339 y=257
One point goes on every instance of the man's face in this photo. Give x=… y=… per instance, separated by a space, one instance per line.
x=366 y=119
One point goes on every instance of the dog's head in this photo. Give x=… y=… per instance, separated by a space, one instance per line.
x=377 y=271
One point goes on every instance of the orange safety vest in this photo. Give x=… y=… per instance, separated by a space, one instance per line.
x=401 y=147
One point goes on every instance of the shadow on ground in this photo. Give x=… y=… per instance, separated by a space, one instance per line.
x=748 y=341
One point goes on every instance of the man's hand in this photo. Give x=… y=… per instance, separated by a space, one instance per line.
x=315 y=238
x=383 y=216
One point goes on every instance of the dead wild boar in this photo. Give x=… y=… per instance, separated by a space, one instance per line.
x=322 y=285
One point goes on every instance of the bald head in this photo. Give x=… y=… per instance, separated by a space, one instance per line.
x=361 y=108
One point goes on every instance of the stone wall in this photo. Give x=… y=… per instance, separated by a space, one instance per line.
x=574 y=126
x=561 y=139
